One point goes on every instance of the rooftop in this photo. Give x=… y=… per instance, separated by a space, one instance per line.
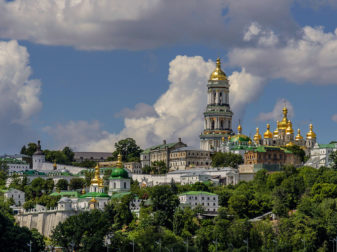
x=197 y=193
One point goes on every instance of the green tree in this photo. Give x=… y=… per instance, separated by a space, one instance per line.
x=220 y=159
x=62 y=184
x=32 y=147
x=3 y=173
x=15 y=238
x=164 y=203
x=159 y=167
x=82 y=232
x=88 y=175
x=69 y=154
x=48 y=201
x=76 y=183
x=48 y=185
x=333 y=158
x=129 y=150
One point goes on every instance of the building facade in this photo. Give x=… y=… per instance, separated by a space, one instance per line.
x=17 y=196
x=160 y=153
x=187 y=158
x=320 y=155
x=218 y=115
x=270 y=155
x=209 y=201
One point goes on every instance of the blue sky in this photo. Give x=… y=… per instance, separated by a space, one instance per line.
x=91 y=79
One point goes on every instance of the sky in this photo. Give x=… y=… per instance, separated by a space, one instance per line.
x=86 y=74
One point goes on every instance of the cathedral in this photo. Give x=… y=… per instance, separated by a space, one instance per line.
x=284 y=135
x=219 y=136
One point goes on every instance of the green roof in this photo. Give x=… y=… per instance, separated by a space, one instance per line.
x=240 y=138
x=119 y=195
x=12 y=161
x=118 y=173
x=95 y=195
x=330 y=145
x=160 y=146
x=197 y=193
x=74 y=194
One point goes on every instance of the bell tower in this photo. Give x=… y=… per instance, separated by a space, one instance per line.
x=218 y=116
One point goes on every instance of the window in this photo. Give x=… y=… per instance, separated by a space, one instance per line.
x=124 y=185
x=114 y=185
x=202 y=198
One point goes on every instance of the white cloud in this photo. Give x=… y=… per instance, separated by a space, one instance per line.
x=244 y=89
x=276 y=113
x=179 y=111
x=334 y=118
x=312 y=58
x=19 y=95
x=140 y=110
x=133 y=24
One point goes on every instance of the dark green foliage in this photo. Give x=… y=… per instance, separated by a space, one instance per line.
x=66 y=156
x=157 y=167
x=77 y=183
x=333 y=158
x=164 y=203
x=129 y=150
x=3 y=173
x=220 y=159
x=15 y=238
x=29 y=150
x=83 y=232
x=62 y=184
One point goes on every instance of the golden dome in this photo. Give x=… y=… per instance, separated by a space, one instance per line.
x=298 y=137
x=257 y=135
x=276 y=130
x=83 y=191
x=268 y=133
x=284 y=123
x=93 y=200
x=218 y=74
x=311 y=134
x=290 y=144
x=119 y=161
x=54 y=165
x=289 y=129
x=229 y=138
x=250 y=142
x=96 y=180
x=239 y=129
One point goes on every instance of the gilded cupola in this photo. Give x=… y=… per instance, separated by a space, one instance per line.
x=284 y=123
x=276 y=132
x=289 y=129
x=257 y=136
x=96 y=180
x=268 y=133
x=311 y=134
x=239 y=129
x=218 y=74
x=298 y=136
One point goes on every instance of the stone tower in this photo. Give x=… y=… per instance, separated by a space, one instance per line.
x=218 y=116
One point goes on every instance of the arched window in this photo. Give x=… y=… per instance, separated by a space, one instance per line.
x=213 y=125
x=124 y=185
x=114 y=185
x=221 y=124
x=214 y=96
x=220 y=98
